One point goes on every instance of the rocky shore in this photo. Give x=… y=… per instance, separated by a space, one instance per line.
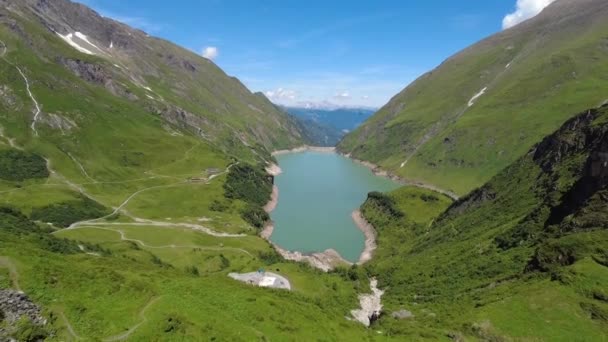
x=378 y=171
x=330 y=258
x=370 y=237
x=274 y=200
x=304 y=149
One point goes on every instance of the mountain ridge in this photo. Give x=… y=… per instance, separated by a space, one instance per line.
x=487 y=104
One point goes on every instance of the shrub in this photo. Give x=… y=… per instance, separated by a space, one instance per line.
x=385 y=204
x=270 y=257
x=18 y=165
x=218 y=206
x=12 y=221
x=193 y=270
x=249 y=184
x=28 y=331
x=225 y=262
x=255 y=216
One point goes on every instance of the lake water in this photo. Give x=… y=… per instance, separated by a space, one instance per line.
x=317 y=194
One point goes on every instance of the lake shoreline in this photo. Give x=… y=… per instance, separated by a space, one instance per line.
x=329 y=259
x=378 y=171
x=305 y=148
x=274 y=200
x=370 y=236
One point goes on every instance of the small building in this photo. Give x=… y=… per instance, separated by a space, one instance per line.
x=267 y=281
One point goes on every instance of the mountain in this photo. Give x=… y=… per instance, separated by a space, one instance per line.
x=523 y=257
x=131 y=184
x=93 y=74
x=460 y=124
x=326 y=127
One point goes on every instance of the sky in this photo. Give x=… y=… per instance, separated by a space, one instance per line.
x=349 y=53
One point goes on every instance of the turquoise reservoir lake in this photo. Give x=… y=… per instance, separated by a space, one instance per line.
x=317 y=194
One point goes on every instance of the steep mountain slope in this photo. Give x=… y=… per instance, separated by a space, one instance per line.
x=123 y=118
x=461 y=123
x=522 y=257
x=120 y=155
x=69 y=49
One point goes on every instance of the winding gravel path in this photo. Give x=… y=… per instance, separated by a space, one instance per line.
x=84 y=172
x=142 y=316
x=12 y=270
x=68 y=326
x=124 y=237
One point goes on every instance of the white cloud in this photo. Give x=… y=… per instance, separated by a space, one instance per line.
x=525 y=9
x=365 y=97
x=211 y=52
x=342 y=96
x=281 y=95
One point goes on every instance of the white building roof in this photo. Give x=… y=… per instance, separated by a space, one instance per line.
x=267 y=281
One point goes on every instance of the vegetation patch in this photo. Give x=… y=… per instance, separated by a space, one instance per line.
x=249 y=184
x=16 y=224
x=255 y=216
x=65 y=213
x=18 y=165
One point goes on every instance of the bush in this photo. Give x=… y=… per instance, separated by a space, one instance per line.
x=551 y=255
x=429 y=198
x=193 y=270
x=66 y=213
x=218 y=206
x=12 y=221
x=270 y=257
x=249 y=184
x=385 y=204
x=255 y=216
x=225 y=262
x=28 y=331
x=18 y=165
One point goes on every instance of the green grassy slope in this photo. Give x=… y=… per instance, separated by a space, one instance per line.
x=521 y=258
x=153 y=165
x=147 y=280
x=535 y=75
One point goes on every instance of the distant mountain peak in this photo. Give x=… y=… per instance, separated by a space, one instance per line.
x=326 y=105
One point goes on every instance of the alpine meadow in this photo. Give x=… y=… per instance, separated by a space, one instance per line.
x=146 y=194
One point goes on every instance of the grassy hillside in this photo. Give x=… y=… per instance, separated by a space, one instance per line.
x=521 y=258
x=134 y=148
x=460 y=124
x=147 y=277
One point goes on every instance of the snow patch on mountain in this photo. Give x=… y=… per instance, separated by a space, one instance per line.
x=68 y=38
x=476 y=96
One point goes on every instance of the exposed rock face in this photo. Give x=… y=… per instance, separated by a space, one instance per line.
x=578 y=136
x=371 y=305
x=183 y=119
x=58 y=122
x=473 y=200
x=591 y=187
x=96 y=74
x=87 y=71
x=569 y=139
x=7 y=96
x=13 y=306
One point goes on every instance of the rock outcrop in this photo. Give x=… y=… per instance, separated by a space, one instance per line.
x=15 y=305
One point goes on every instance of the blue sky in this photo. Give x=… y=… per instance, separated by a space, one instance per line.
x=344 y=52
